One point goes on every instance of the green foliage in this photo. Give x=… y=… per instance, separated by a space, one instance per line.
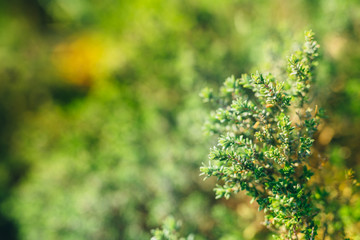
x=266 y=133
x=101 y=123
x=169 y=231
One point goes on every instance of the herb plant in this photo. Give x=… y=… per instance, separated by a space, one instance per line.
x=266 y=129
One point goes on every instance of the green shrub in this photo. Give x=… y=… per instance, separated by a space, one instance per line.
x=266 y=128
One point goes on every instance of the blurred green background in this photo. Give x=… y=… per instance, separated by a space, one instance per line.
x=100 y=117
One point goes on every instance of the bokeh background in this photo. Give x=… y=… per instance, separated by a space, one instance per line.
x=100 y=115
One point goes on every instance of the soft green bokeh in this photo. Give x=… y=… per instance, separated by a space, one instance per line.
x=100 y=116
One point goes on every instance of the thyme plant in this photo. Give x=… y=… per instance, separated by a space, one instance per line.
x=266 y=129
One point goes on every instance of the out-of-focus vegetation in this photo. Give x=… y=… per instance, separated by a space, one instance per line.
x=101 y=121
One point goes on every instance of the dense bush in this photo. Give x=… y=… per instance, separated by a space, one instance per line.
x=267 y=129
x=264 y=150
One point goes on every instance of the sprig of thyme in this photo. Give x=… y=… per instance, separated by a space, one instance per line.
x=262 y=148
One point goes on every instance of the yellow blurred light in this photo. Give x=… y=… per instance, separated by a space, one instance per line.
x=80 y=61
x=326 y=135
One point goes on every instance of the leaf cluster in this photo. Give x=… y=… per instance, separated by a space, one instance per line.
x=169 y=231
x=266 y=130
